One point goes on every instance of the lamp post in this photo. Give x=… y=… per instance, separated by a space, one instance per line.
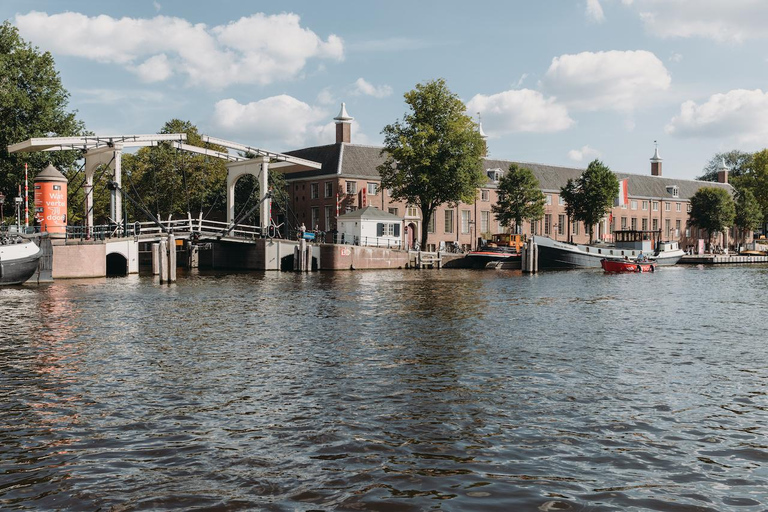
x=2 y=203
x=471 y=235
x=18 y=200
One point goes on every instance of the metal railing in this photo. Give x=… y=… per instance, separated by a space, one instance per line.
x=366 y=241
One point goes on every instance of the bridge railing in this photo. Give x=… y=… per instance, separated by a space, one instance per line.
x=367 y=241
x=177 y=226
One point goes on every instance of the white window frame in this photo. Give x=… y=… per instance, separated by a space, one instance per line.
x=350 y=187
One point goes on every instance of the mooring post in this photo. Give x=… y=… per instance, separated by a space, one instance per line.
x=155 y=259
x=163 y=259
x=171 y=258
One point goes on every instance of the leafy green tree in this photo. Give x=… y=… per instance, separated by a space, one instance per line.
x=433 y=155
x=33 y=103
x=520 y=198
x=712 y=209
x=749 y=215
x=591 y=195
x=737 y=162
x=755 y=178
x=570 y=195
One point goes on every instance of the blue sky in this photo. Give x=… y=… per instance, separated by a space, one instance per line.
x=555 y=82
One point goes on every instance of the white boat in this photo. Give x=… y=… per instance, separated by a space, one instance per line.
x=18 y=260
x=629 y=244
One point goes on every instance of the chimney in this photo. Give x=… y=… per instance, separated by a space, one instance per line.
x=722 y=172
x=343 y=125
x=656 y=162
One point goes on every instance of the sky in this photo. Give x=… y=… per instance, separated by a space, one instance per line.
x=555 y=82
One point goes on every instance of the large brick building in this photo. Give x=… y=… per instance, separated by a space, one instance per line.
x=348 y=180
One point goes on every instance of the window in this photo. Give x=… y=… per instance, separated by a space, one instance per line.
x=328 y=189
x=432 y=224
x=655 y=206
x=351 y=187
x=465 y=221
x=623 y=223
x=449 y=221
x=624 y=206
x=393 y=211
x=388 y=230
x=687 y=232
x=575 y=228
x=668 y=227
x=667 y=207
x=645 y=224
x=485 y=195
x=315 y=217
x=494 y=174
x=561 y=224
x=373 y=189
x=547 y=222
x=549 y=199
x=677 y=228
x=412 y=211
x=634 y=204
x=485 y=222
x=678 y=207
x=645 y=205
x=314 y=190
x=655 y=224
x=688 y=208
x=634 y=223
x=533 y=228
x=561 y=201
x=328 y=217
x=673 y=190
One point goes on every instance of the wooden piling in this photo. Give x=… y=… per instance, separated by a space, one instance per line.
x=163 y=260
x=171 y=258
x=155 y=259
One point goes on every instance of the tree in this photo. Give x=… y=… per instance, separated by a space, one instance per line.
x=33 y=103
x=520 y=198
x=712 y=209
x=570 y=195
x=755 y=178
x=433 y=155
x=737 y=162
x=749 y=215
x=592 y=195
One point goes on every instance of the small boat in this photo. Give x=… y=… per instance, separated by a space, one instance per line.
x=616 y=265
x=18 y=260
x=503 y=250
x=629 y=244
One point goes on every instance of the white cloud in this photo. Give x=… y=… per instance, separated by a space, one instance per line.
x=326 y=97
x=279 y=121
x=738 y=114
x=618 y=80
x=518 y=111
x=362 y=87
x=154 y=69
x=157 y=6
x=595 y=11
x=585 y=153
x=522 y=79
x=675 y=57
x=724 y=21
x=258 y=49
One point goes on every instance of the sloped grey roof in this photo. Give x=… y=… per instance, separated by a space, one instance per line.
x=360 y=161
x=369 y=213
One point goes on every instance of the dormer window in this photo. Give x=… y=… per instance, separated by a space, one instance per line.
x=673 y=190
x=494 y=174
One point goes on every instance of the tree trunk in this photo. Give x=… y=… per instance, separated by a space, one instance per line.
x=425 y=227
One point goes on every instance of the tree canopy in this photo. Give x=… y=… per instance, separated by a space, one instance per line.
x=33 y=103
x=755 y=178
x=712 y=209
x=591 y=196
x=519 y=198
x=737 y=162
x=433 y=155
x=749 y=215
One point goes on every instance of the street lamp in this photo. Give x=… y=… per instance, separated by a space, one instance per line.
x=18 y=201
x=2 y=202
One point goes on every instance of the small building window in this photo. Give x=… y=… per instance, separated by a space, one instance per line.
x=634 y=204
x=449 y=221
x=623 y=223
x=485 y=221
x=485 y=195
x=645 y=224
x=351 y=187
x=549 y=199
x=655 y=206
x=655 y=224
x=561 y=224
x=465 y=221
x=314 y=190
x=393 y=211
x=432 y=224
x=561 y=200
x=328 y=189
x=667 y=207
x=645 y=205
x=633 y=224
x=547 y=222
x=412 y=211
x=373 y=189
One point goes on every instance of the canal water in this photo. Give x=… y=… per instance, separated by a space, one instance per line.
x=388 y=391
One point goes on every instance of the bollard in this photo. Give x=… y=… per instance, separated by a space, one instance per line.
x=155 y=259
x=163 y=260
x=171 y=258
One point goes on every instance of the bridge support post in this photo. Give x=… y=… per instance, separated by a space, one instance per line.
x=258 y=167
x=163 y=260
x=171 y=258
x=156 y=259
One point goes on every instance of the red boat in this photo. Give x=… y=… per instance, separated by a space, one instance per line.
x=613 y=265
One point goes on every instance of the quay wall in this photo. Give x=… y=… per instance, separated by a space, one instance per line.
x=76 y=261
x=353 y=257
x=721 y=259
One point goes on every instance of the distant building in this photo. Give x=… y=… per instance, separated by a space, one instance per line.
x=348 y=180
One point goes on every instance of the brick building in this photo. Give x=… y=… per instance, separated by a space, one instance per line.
x=348 y=180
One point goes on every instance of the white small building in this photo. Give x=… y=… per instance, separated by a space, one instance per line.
x=370 y=226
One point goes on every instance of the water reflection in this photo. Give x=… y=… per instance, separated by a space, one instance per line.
x=396 y=390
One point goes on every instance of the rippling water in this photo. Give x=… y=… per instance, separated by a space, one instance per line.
x=392 y=391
